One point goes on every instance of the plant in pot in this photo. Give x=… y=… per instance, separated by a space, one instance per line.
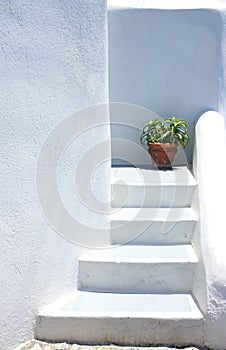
x=163 y=137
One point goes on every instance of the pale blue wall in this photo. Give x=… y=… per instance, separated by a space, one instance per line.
x=165 y=60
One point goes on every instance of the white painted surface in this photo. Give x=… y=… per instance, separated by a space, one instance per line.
x=121 y=305
x=121 y=330
x=134 y=269
x=52 y=63
x=180 y=176
x=137 y=187
x=111 y=307
x=49 y=50
x=210 y=170
x=143 y=254
x=153 y=214
x=116 y=318
x=167 y=61
x=152 y=226
x=165 y=4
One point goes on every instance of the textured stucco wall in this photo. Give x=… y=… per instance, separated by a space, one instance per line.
x=166 y=60
x=52 y=63
x=210 y=281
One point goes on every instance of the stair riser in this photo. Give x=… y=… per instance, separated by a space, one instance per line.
x=151 y=196
x=121 y=331
x=136 y=277
x=146 y=232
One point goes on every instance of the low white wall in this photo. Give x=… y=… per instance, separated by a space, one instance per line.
x=209 y=165
x=166 y=4
x=53 y=62
x=166 y=59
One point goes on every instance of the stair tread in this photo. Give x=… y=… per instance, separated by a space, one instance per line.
x=144 y=254
x=96 y=304
x=153 y=214
x=179 y=176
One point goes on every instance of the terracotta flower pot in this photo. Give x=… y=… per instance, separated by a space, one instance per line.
x=162 y=154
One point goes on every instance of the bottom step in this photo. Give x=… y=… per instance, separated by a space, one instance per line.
x=125 y=319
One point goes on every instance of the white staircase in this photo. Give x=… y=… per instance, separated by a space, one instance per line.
x=139 y=292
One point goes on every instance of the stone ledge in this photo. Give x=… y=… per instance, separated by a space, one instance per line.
x=166 y=4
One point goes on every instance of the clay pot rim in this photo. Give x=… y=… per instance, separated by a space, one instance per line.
x=162 y=144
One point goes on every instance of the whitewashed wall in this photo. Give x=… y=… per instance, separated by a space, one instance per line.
x=52 y=63
x=210 y=281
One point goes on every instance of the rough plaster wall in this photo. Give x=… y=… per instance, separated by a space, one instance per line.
x=52 y=63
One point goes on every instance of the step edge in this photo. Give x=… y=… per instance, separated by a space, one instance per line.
x=189 y=257
x=125 y=315
x=52 y=309
x=155 y=184
x=181 y=214
x=140 y=261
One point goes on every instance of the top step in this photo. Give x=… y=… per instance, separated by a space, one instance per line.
x=148 y=188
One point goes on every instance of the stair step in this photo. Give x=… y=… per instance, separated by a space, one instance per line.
x=136 y=187
x=132 y=319
x=145 y=269
x=152 y=225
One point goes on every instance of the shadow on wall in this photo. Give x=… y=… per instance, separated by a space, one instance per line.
x=167 y=61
